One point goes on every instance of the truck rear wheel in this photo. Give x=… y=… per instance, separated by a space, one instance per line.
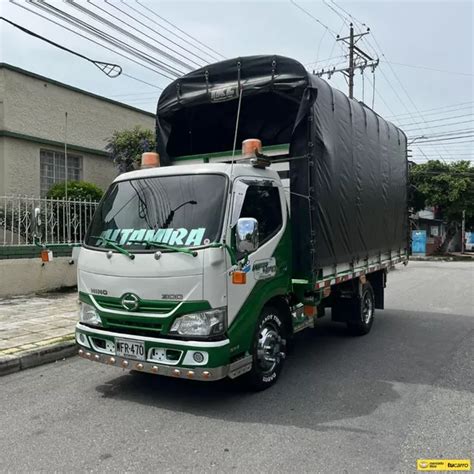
x=363 y=317
x=269 y=350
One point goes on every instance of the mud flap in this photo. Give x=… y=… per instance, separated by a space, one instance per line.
x=346 y=308
x=378 y=280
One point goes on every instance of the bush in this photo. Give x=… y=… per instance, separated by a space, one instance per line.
x=76 y=190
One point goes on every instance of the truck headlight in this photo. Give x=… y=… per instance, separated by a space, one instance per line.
x=89 y=315
x=205 y=323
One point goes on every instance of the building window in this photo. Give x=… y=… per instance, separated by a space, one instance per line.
x=52 y=168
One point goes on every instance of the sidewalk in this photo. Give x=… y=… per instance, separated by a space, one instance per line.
x=36 y=329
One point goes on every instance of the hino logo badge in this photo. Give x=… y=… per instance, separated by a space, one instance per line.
x=130 y=301
x=96 y=291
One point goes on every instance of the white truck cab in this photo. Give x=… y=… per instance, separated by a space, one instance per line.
x=157 y=275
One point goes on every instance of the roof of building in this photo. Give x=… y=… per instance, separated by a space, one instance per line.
x=72 y=88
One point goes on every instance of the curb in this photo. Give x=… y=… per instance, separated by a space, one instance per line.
x=442 y=259
x=38 y=356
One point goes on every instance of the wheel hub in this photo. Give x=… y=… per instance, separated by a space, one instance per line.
x=367 y=309
x=269 y=348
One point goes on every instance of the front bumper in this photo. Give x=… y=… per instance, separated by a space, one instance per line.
x=215 y=366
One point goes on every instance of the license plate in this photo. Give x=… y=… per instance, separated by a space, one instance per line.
x=130 y=349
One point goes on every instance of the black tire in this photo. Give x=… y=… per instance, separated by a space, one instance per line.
x=272 y=330
x=363 y=316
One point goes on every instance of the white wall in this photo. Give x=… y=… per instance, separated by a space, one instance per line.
x=29 y=275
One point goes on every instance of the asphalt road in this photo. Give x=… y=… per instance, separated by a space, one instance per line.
x=343 y=404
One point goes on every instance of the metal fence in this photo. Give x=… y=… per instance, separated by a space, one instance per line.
x=54 y=221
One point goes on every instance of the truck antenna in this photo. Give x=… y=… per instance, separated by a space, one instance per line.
x=240 y=89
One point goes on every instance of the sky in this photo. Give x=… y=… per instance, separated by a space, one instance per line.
x=424 y=82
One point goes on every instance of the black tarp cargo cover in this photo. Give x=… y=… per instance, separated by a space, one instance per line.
x=348 y=166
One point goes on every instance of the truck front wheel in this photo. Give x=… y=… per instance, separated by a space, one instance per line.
x=363 y=317
x=269 y=350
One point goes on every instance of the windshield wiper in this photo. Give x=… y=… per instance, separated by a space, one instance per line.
x=114 y=245
x=171 y=248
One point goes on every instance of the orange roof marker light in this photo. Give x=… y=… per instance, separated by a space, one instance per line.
x=150 y=159
x=252 y=150
x=250 y=146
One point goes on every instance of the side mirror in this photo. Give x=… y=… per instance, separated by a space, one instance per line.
x=246 y=235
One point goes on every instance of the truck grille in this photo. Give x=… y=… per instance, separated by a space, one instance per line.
x=130 y=325
x=145 y=306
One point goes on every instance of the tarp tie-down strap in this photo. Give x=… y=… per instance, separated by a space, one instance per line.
x=274 y=63
x=178 y=91
x=206 y=76
x=239 y=66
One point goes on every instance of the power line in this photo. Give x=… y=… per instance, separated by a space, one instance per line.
x=115 y=27
x=355 y=20
x=454 y=154
x=441 y=114
x=383 y=74
x=449 y=138
x=324 y=60
x=317 y=20
x=439 y=126
x=142 y=81
x=111 y=70
x=327 y=29
x=400 y=82
x=336 y=12
x=147 y=25
x=375 y=91
x=450 y=132
x=160 y=65
x=458 y=132
x=179 y=29
x=436 y=120
x=429 y=145
x=155 y=31
x=429 y=68
x=443 y=107
x=96 y=43
x=147 y=93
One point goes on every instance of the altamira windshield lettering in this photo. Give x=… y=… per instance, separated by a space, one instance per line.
x=180 y=236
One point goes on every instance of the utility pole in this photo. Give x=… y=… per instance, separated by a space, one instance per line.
x=351 y=62
x=358 y=59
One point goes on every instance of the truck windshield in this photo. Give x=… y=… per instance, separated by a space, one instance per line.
x=184 y=210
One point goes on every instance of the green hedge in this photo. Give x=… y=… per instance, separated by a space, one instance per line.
x=76 y=190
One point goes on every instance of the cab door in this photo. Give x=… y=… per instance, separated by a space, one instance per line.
x=263 y=200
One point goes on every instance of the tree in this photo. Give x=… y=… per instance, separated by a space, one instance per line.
x=447 y=186
x=126 y=147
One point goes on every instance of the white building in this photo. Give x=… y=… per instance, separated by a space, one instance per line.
x=33 y=131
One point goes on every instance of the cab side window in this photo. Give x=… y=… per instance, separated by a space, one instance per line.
x=263 y=203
